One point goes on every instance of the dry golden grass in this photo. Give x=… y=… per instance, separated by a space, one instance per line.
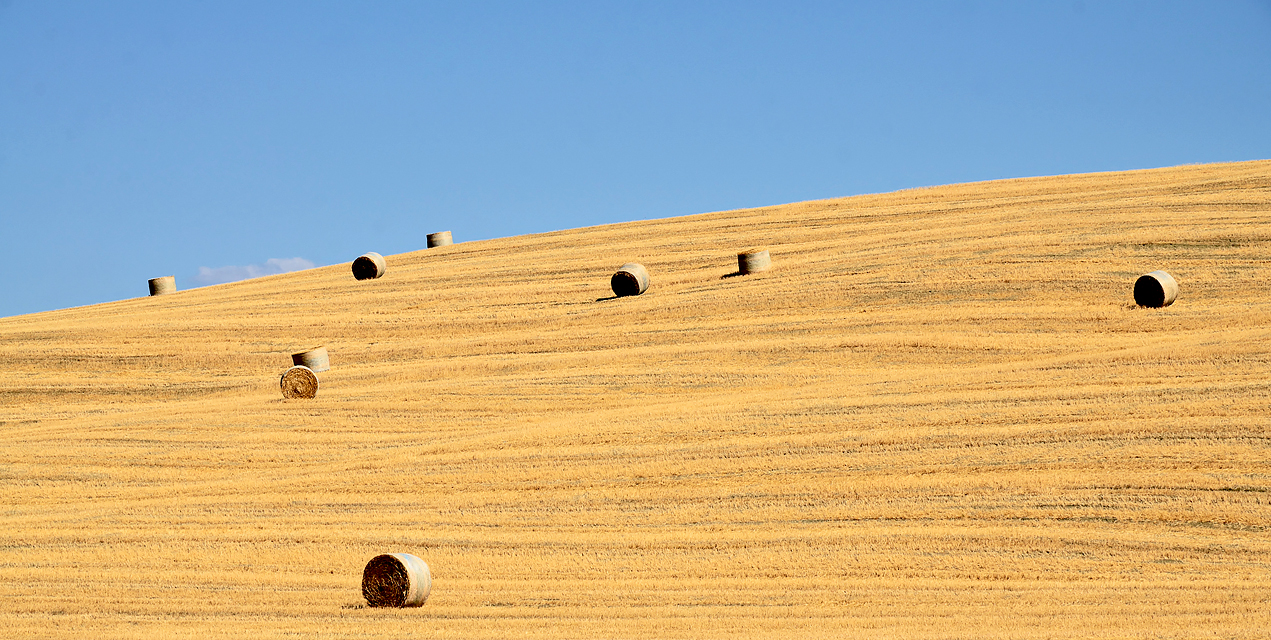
x=938 y=416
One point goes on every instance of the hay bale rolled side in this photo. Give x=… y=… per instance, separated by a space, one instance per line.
x=630 y=280
x=299 y=382
x=369 y=266
x=163 y=286
x=396 y=580
x=753 y=261
x=316 y=359
x=440 y=239
x=1155 y=289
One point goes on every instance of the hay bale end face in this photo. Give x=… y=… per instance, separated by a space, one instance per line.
x=299 y=382
x=1155 y=289
x=396 y=580
x=753 y=261
x=162 y=286
x=440 y=239
x=369 y=266
x=316 y=359
x=631 y=280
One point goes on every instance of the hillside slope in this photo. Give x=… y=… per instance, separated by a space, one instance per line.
x=939 y=415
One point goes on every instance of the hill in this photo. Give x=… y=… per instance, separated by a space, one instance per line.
x=940 y=414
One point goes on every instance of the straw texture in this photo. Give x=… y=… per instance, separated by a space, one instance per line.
x=299 y=382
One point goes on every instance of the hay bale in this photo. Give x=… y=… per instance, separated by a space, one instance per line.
x=164 y=285
x=753 y=261
x=299 y=382
x=369 y=266
x=315 y=359
x=440 y=239
x=396 y=580
x=631 y=280
x=1155 y=289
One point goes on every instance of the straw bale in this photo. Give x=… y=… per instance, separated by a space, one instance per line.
x=631 y=280
x=396 y=580
x=440 y=239
x=316 y=359
x=369 y=266
x=299 y=382
x=162 y=286
x=1155 y=289
x=753 y=261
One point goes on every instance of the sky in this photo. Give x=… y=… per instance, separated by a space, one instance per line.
x=216 y=141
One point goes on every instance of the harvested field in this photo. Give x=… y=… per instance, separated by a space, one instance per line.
x=943 y=416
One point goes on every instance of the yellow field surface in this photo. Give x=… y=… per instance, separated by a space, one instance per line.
x=940 y=415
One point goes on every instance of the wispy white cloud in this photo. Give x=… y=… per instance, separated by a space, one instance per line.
x=231 y=273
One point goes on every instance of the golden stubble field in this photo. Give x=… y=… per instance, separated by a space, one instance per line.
x=940 y=415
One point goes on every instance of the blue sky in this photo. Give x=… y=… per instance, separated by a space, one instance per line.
x=219 y=140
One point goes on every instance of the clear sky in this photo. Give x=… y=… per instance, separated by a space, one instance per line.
x=221 y=140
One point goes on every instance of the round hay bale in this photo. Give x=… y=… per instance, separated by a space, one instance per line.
x=369 y=266
x=396 y=580
x=299 y=382
x=753 y=261
x=440 y=239
x=164 y=285
x=1156 y=289
x=631 y=280
x=315 y=359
